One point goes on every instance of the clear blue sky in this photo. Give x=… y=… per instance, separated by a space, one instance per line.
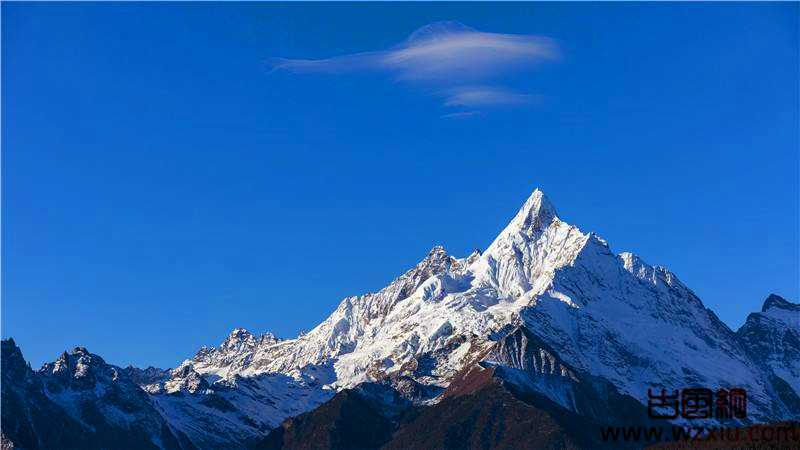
x=162 y=184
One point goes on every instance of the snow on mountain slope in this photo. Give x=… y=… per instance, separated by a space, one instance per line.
x=638 y=327
x=608 y=316
x=773 y=338
x=223 y=409
x=442 y=303
x=79 y=401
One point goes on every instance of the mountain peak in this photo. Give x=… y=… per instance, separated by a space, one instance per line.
x=239 y=337
x=535 y=214
x=776 y=301
x=436 y=249
x=437 y=252
x=240 y=333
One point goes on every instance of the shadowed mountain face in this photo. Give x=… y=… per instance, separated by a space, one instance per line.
x=78 y=402
x=30 y=418
x=772 y=337
x=480 y=413
x=480 y=409
x=547 y=328
x=361 y=418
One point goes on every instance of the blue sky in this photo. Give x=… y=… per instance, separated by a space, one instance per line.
x=173 y=171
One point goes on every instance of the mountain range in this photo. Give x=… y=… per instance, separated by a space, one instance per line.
x=537 y=342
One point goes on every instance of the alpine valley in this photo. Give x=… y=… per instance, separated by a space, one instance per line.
x=539 y=341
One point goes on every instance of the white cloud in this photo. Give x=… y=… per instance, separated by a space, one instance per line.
x=482 y=96
x=461 y=115
x=450 y=52
x=446 y=55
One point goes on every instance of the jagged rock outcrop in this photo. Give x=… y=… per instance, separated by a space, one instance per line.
x=772 y=337
x=79 y=402
x=150 y=375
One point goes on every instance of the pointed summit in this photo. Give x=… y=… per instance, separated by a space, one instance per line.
x=436 y=261
x=437 y=253
x=240 y=333
x=776 y=301
x=535 y=214
x=239 y=337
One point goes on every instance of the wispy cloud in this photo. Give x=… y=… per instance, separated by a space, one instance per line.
x=461 y=115
x=446 y=56
x=481 y=96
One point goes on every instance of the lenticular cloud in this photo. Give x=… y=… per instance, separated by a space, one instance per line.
x=444 y=51
x=441 y=55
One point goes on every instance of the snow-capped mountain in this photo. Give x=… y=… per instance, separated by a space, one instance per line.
x=79 y=401
x=772 y=337
x=608 y=316
x=550 y=308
